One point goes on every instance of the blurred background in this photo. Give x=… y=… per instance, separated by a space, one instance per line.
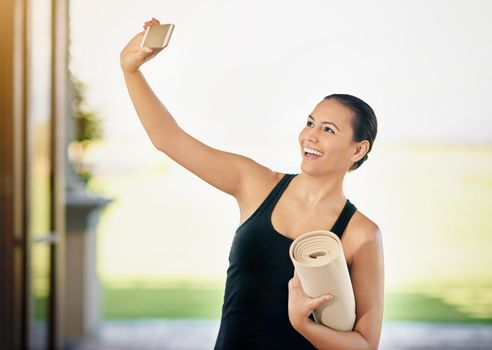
x=143 y=244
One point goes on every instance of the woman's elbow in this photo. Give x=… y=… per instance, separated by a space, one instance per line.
x=372 y=344
x=368 y=343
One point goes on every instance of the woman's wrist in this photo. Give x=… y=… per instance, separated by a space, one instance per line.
x=301 y=325
x=131 y=72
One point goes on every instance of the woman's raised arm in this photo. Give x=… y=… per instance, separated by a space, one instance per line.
x=226 y=171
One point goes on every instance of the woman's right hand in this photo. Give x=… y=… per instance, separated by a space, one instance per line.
x=133 y=56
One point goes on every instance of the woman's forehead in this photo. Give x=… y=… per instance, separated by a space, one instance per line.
x=332 y=111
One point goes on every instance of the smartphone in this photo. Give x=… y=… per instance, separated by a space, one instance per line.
x=157 y=36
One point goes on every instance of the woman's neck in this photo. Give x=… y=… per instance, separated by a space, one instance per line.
x=320 y=190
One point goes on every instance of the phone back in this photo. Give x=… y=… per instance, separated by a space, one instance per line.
x=157 y=35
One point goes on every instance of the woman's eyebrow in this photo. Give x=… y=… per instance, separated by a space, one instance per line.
x=310 y=116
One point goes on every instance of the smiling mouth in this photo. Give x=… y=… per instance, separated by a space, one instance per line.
x=310 y=156
x=310 y=153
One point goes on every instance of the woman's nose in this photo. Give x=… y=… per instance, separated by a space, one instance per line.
x=311 y=135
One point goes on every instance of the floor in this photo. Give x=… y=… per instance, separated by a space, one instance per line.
x=200 y=334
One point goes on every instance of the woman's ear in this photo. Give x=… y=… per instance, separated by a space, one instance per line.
x=361 y=150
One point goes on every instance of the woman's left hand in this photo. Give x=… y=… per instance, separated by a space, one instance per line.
x=301 y=305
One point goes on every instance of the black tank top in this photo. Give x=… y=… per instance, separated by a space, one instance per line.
x=255 y=308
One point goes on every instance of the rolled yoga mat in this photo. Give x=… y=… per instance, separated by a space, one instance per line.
x=320 y=263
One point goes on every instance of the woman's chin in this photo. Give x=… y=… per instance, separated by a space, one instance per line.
x=309 y=168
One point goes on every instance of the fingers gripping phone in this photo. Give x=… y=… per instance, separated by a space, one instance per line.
x=157 y=36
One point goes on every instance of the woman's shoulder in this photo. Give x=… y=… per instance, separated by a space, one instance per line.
x=362 y=235
x=256 y=187
x=362 y=229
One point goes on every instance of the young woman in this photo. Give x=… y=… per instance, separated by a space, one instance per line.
x=265 y=306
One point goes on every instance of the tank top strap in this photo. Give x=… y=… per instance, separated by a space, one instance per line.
x=347 y=212
x=277 y=191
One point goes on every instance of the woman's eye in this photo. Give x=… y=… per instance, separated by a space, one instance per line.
x=327 y=129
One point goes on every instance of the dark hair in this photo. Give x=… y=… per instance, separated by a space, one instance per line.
x=364 y=122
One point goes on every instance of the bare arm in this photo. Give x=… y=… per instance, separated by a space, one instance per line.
x=155 y=118
x=226 y=171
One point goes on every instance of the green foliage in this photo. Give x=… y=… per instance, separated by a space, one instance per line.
x=88 y=128
x=135 y=303
x=88 y=123
x=125 y=303
x=422 y=307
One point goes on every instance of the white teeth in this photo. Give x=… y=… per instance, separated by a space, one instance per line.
x=312 y=151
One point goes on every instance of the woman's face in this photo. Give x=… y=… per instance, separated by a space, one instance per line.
x=328 y=133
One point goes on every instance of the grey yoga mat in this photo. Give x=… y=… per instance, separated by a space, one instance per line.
x=320 y=263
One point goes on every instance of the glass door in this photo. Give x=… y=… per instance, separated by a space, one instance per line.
x=41 y=235
x=32 y=107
